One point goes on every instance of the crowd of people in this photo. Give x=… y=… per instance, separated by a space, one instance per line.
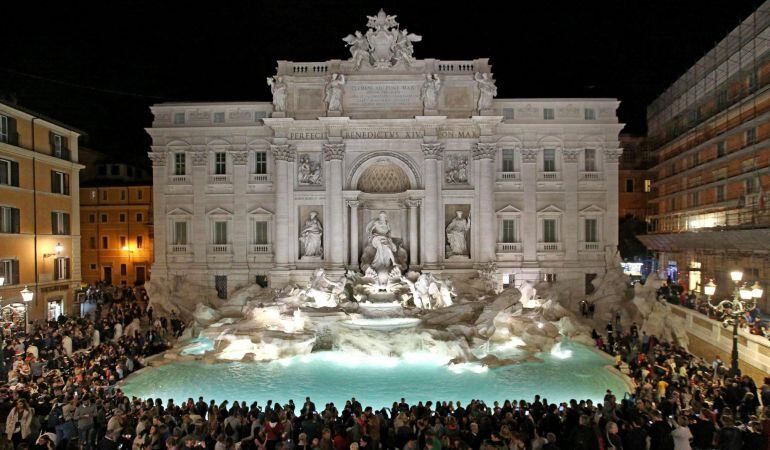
x=61 y=394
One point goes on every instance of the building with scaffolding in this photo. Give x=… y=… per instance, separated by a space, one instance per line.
x=710 y=134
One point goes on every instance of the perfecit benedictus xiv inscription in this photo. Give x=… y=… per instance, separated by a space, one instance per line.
x=382 y=95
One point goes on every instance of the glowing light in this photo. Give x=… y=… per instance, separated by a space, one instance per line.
x=756 y=290
x=736 y=275
x=745 y=293
x=709 y=288
x=540 y=325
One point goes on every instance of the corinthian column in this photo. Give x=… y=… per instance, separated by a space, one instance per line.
x=159 y=179
x=433 y=152
x=485 y=154
x=611 y=158
x=241 y=238
x=282 y=154
x=334 y=152
x=412 y=205
x=571 y=226
x=353 y=232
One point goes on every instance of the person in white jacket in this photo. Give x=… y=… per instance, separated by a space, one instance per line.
x=17 y=425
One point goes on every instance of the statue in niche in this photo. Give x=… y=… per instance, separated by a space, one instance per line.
x=309 y=171
x=429 y=91
x=487 y=90
x=456 y=170
x=311 y=237
x=278 y=89
x=333 y=92
x=382 y=253
x=457 y=235
x=359 y=48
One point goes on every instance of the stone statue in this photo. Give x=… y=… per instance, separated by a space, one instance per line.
x=323 y=291
x=429 y=91
x=333 y=92
x=308 y=171
x=403 y=48
x=278 y=89
x=457 y=235
x=382 y=252
x=311 y=237
x=487 y=90
x=359 y=48
x=456 y=170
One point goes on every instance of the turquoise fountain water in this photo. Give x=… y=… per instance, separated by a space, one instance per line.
x=376 y=381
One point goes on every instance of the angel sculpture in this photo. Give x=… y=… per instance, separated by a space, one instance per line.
x=487 y=90
x=359 y=48
x=403 y=48
x=278 y=89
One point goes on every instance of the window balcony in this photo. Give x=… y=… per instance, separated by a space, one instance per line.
x=220 y=248
x=548 y=176
x=224 y=178
x=180 y=179
x=509 y=247
x=508 y=176
x=62 y=153
x=591 y=176
x=590 y=246
x=179 y=248
x=256 y=178
x=261 y=249
x=549 y=247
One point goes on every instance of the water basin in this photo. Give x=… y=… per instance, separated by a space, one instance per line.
x=382 y=324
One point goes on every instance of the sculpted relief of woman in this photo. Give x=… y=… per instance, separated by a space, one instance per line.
x=311 y=237
x=457 y=235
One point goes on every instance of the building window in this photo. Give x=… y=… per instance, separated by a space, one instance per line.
x=9 y=172
x=720 y=149
x=139 y=194
x=509 y=230
x=219 y=117
x=220 y=233
x=647 y=185
x=549 y=277
x=591 y=230
x=549 y=160
x=694 y=199
x=105 y=242
x=509 y=161
x=59 y=146
x=123 y=195
x=671 y=204
x=61 y=269
x=104 y=218
x=123 y=270
x=139 y=242
x=630 y=185
x=507 y=113
x=60 y=183
x=220 y=163
x=60 y=223
x=260 y=232
x=8 y=130
x=139 y=218
x=9 y=219
x=548 y=114
x=260 y=163
x=180 y=233
x=115 y=170
x=92 y=266
x=220 y=284
x=123 y=241
x=122 y=217
x=751 y=136
x=589 y=114
x=721 y=99
x=549 y=230
x=179 y=118
x=590 y=159
x=104 y=196
x=92 y=242
x=695 y=159
x=92 y=218
x=752 y=186
x=180 y=164
x=720 y=193
x=9 y=269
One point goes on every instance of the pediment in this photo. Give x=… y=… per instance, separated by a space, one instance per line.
x=219 y=212
x=510 y=209
x=592 y=209
x=550 y=209
x=179 y=212
x=259 y=211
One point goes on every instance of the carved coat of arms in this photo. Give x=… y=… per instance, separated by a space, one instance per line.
x=384 y=45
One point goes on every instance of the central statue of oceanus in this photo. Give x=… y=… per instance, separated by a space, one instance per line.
x=382 y=253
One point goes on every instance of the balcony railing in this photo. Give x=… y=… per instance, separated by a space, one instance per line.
x=180 y=179
x=61 y=153
x=509 y=247
x=590 y=246
x=549 y=247
x=261 y=249
x=548 y=176
x=224 y=178
x=10 y=138
x=220 y=248
x=179 y=248
x=591 y=176
x=508 y=176
x=255 y=178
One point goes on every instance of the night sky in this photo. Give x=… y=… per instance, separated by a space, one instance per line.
x=98 y=67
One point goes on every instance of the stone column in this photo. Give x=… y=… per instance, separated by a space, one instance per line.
x=160 y=221
x=485 y=154
x=433 y=152
x=241 y=239
x=529 y=216
x=200 y=238
x=334 y=152
x=282 y=154
x=353 y=204
x=571 y=223
x=412 y=204
x=610 y=219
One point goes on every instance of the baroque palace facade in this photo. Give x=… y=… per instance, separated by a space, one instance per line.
x=267 y=192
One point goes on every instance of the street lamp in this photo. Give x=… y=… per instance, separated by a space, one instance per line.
x=57 y=249
x=744 y=299
x=26 y=296
x=709 y=289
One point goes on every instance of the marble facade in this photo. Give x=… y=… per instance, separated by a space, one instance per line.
x=234 y=182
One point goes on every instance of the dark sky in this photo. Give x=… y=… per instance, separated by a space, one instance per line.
x=98 y=67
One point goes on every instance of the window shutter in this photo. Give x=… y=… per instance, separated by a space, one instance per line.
x=15 y=220
x=51 y=140
x=67 y=274
x=56 y=274
x=13 y=137
x=54 y=224
x=15 y=271
x=54 y=184
x=66 y=184
x=14 y=174
x=66 y=224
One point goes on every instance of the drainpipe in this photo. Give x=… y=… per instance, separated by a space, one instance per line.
x=34 y=210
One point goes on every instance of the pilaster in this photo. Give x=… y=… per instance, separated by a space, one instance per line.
x=571 y=225
x=529 y=213
x=199 y=225
x=240 y=221
x=353 y=204
x=160 y=221
x=433 y=153
x=611 y=159
x=334 y=152
x=282 y=155
x=484 y=153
